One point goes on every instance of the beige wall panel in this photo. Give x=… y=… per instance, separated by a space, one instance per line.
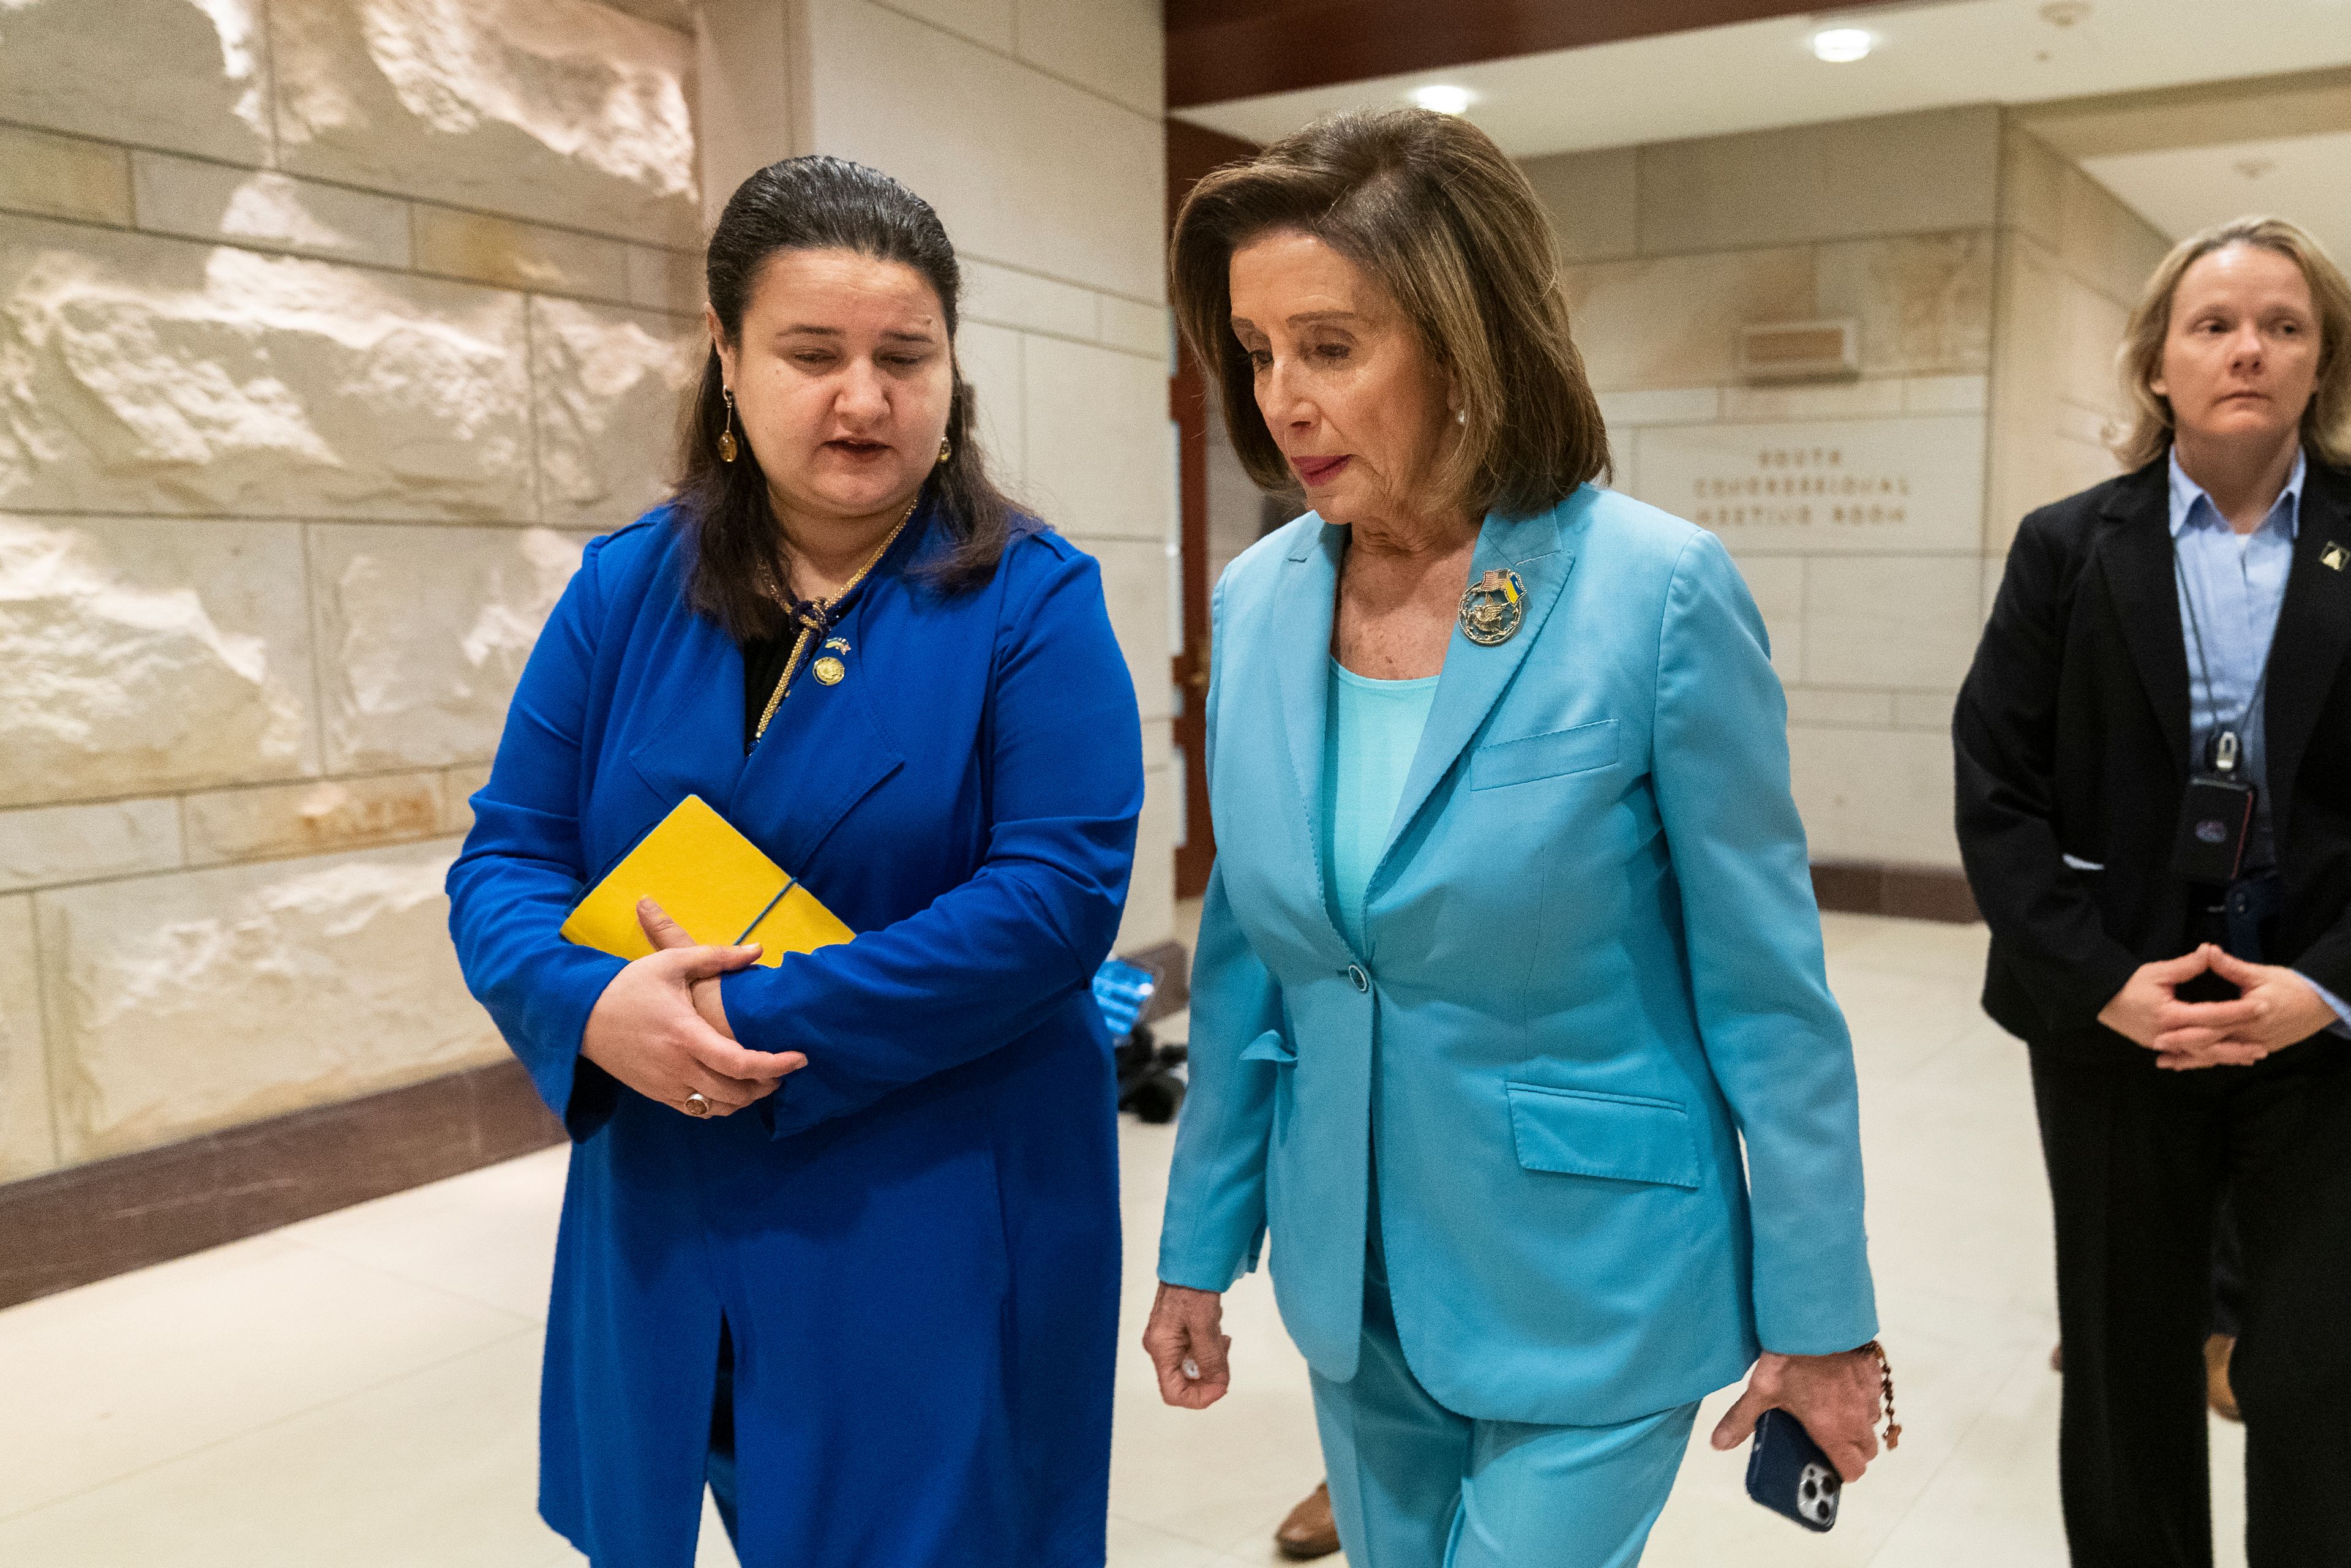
x=458 y=788
x=1096 y=427
x=1839 y=181
x=62 y=176
x=1134 y=584
x=44 y=845
x=138 y=658
x=189 y=75
x=278 y=821
x=677 y=15
x=423 y=633
x=1624 y=411
x=2094 y=333
x=1946 y=394
x=181 y=1004
x=1138 y=328
x=1592 y=198
x=989 y=22
x=28 y=1145
x=1115 y=47
x=989 y=358
x=608 y=386
x=142 y=374
x=256 y=207
x=2031 y=187
x=2106 y=244
x=1874 y=794
x=1674 y=321
x=1924 y=301
x=1006 y=296
x=564 y=111
x=666 y=281
x=1814 y=705
x=1777 y=584
x=1890 y=620
x=1926 y=710
x=513 y=255
x=1150 y=916
x=1860 y=487
x=1829 y=400
x=1024 y=170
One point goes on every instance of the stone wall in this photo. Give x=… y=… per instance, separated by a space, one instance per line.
x=1870 y=515
x=329 y=331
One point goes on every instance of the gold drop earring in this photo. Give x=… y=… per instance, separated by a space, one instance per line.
x=946 y=449
x=726 y=448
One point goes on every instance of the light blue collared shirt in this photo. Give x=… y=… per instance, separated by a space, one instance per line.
x=2231 y=587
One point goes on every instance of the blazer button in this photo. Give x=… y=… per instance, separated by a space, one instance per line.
x=1355 y=973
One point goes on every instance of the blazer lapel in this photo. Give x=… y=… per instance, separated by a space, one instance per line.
x=2314 y=632
x=1475 y=677
x=1300 y=643
x=2136 y=555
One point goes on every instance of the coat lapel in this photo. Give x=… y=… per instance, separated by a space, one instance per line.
x=2136 y=555
x=1301 y=646
x=1475 y=677
x=2314 y=632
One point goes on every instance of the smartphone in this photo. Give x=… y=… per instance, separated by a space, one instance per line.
x=1787 y=1472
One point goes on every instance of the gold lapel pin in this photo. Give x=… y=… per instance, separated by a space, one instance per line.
x=829 y=670
x=2335 y=558
x=1493 y=609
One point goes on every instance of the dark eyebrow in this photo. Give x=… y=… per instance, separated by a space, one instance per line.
x=803 y=330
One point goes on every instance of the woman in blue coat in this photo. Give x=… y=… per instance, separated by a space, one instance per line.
x=840 y=1236
x=1510 y=943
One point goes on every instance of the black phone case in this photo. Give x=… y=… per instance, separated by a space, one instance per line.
x=1787 y=1473
x=2215 y=817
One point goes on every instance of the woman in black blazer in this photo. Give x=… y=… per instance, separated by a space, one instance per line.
x=2187 y=1026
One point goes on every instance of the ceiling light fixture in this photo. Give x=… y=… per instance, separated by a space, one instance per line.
x=1842 y=46
x=1444 y=99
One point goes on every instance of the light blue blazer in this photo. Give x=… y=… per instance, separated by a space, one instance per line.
x=1593 y=965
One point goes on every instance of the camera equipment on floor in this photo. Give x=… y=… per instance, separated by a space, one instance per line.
x=1150 y=1075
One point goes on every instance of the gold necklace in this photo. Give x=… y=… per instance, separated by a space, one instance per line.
x=823 y=613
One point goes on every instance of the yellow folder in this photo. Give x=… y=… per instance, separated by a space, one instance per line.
x=711 y=881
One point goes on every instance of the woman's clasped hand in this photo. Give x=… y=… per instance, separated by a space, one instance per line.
x=659 y=1026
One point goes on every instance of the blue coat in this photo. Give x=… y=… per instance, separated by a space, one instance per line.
x=915 y=1240
x=1593 y=963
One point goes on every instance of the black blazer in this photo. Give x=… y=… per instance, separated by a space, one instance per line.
x=2070 y=737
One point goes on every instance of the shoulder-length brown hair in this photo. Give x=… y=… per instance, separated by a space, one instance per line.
x=734 y=548
x=1449 y=226
x=2325 y=424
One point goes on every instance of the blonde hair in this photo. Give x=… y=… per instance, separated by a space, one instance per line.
x=2325 y=423
x=1449 y=226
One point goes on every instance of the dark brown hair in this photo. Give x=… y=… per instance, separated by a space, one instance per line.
x=734 y=546
x=2325 y=421
x=1449 y=226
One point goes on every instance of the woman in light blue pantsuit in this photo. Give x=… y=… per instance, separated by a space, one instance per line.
x=1511 y=939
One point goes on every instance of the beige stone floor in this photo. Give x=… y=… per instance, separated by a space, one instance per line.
x=357 y=1389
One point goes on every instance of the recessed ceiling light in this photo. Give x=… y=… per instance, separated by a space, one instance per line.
x=1444 y=99
x=1842 y=46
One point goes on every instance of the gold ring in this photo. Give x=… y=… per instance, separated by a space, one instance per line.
x=695 y=1105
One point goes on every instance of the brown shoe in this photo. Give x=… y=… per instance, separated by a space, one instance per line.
x=1310 y=1532
x=2224 y=1399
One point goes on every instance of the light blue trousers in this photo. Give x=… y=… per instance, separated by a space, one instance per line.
x=1414 y=1485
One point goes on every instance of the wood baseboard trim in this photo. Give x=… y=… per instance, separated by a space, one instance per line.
x=89 y=1222
x=1908 y=891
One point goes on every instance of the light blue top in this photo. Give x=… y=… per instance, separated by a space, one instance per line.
x=2231 y=586
x=1374 y=730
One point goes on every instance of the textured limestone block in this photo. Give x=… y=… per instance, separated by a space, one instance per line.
x=1114 y=46
x=519 y=255
x=1137 y=587
x=607 y=384
x=282 y=819
x=142 y=374
x=275 y=212
x=1150 y=918
x=63 y=177
x=190 y=75
x=989 y=359
x=1672 y=321
x=1098 y=445
x=665 y=280
x=186 y=1003
x=1890 y=620
x=1874 y=794
x=51 y=844
x=423 y=633
x=1924 y=301
x=138 y=658
x=27 y=1143
x=560 y=111
x=677 y=14
x=458 y=786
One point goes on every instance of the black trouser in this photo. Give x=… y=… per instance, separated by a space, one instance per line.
x=2138 y=1163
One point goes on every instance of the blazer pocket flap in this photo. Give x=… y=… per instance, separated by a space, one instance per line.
x=1269 y=1047
x=1577 y=1131
x=1576 y=750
